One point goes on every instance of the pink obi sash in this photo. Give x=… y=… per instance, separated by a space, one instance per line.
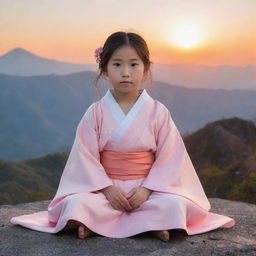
x=127 y=166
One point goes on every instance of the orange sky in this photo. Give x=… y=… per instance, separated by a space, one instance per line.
x=200 y=32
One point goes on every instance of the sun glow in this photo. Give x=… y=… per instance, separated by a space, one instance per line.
x=186 y=35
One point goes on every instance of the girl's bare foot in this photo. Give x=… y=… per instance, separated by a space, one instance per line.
x=163 y=235
x=83 y=231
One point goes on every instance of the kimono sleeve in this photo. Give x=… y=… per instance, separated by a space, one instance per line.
x=83 y=171
x=172 y=170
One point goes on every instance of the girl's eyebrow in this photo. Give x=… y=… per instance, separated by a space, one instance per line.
x=121 y=59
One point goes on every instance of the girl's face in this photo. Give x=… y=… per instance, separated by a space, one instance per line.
x=125 y=65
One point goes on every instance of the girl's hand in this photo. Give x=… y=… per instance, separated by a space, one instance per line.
x=137 y=196
x=117 y=198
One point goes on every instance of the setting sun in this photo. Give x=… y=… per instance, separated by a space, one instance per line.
x=186 y=35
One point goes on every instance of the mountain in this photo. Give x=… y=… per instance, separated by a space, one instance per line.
x=39 y=114
x=223 y=154
x=201 y=76
x=192 y=108
x=24 y=63
x=31 y=179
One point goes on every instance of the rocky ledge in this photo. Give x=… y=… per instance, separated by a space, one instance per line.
x=238 y=240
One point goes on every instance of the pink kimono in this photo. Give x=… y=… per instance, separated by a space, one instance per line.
x=178 y=200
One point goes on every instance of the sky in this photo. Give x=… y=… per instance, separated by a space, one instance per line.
x=204 y=32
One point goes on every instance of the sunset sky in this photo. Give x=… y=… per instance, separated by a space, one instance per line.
x=219 y=32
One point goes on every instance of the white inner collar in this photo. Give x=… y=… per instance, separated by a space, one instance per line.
x=116 y=109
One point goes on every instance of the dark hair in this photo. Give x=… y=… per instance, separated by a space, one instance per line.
x=121 y=38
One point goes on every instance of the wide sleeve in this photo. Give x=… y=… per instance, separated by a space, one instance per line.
x=172 y=170
x=83 y=171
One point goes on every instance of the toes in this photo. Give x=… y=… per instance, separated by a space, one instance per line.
x=165 y=235
x=83 y=231
x=162 y=235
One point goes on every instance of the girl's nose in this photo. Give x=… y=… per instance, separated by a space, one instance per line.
x=125 y=71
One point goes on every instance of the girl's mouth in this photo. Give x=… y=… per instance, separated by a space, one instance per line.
x=126 y=83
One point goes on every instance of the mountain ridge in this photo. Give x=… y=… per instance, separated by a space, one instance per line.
x=39 y=121
x=187 y=74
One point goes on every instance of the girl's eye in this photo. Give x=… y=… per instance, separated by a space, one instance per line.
x=118 y=64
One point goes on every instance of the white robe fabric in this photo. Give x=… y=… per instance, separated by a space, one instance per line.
x=178 y=200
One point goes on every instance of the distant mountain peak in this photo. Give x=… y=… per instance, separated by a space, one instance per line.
x=19 y=52
x=21 y=62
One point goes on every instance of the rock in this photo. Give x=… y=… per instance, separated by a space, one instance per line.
x=238 y=240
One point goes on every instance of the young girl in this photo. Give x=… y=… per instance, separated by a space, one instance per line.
x=128 y=171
